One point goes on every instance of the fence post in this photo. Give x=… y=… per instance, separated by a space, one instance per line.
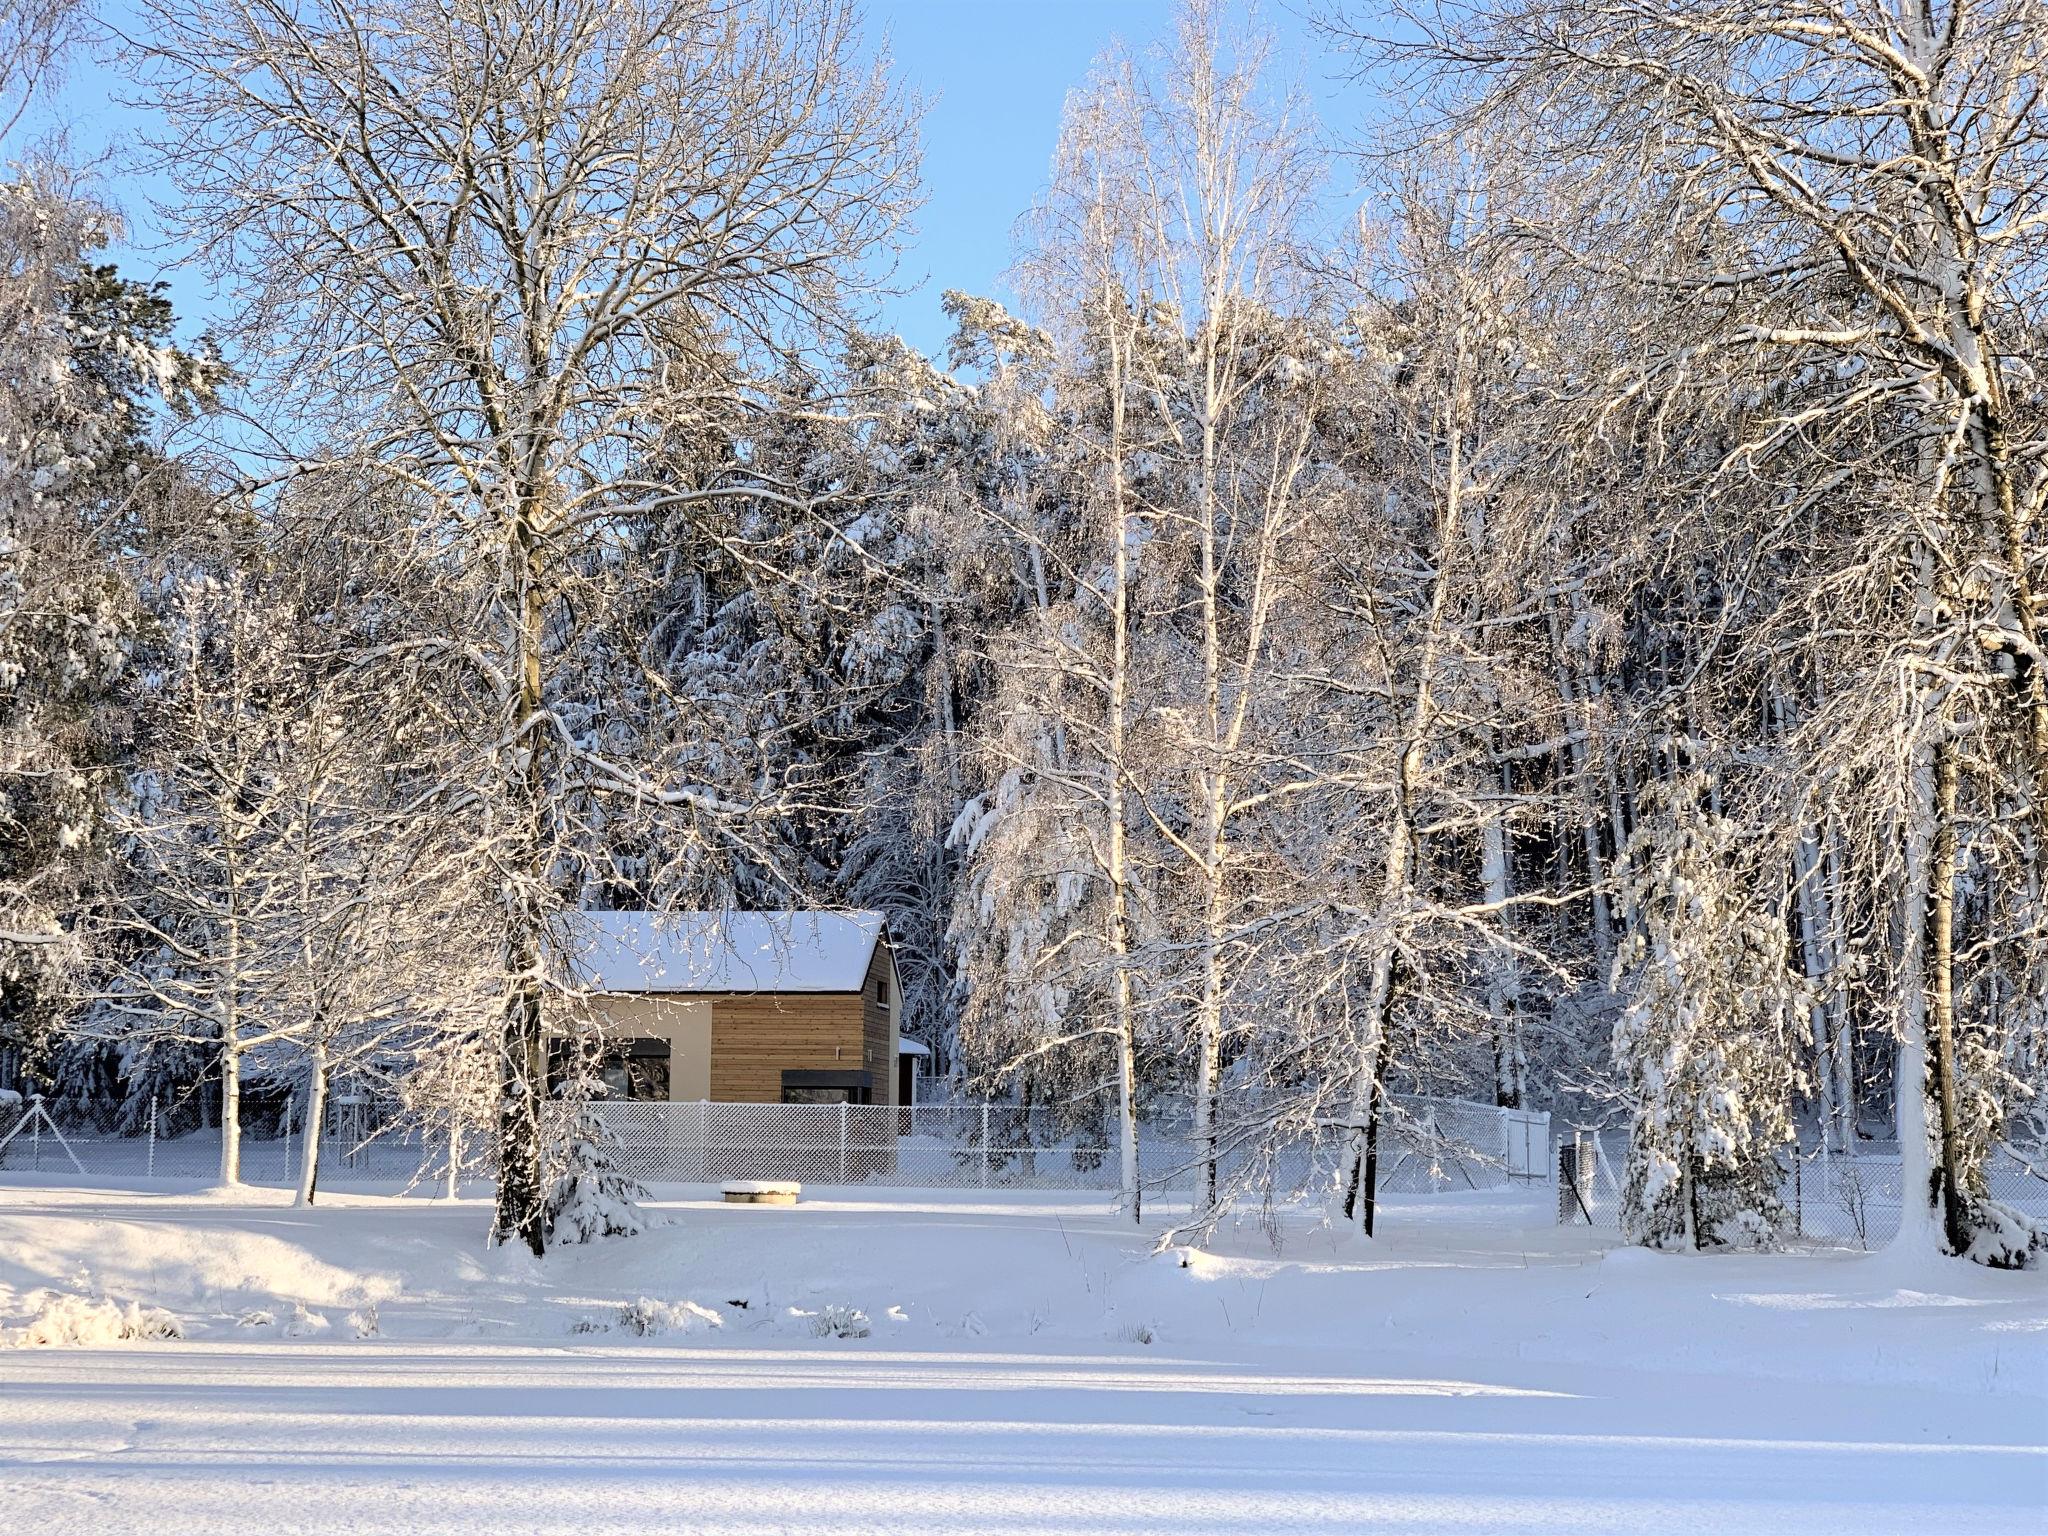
x=984 y=1146
x=842 y=1141
x=1575 y=1171
x=151 y=1164
x=1798 y=1189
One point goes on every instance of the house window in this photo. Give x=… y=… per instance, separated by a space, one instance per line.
x=631 y=1070
x=825 y=1087
x=882 y=990
x=818 y=1096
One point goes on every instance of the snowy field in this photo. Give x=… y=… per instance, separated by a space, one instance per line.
x=1016 y=1365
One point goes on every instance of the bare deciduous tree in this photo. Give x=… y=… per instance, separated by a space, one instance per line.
x=508 y=253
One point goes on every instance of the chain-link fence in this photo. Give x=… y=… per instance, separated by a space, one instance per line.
x=1426 y=1144
x=1429 y=1144
x=1827 y=1196
x=365 y=1143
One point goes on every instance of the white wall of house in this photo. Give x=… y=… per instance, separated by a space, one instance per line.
x=682 y=1021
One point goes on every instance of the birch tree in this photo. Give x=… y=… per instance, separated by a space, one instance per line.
x=1217 y=182
x=1052 y=839
x=202 y=939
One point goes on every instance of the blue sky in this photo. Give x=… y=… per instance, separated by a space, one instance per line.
x=995 y=74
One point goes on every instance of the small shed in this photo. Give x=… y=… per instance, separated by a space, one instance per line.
x=740 y=1007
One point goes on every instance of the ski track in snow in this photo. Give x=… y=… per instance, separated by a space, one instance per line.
x=1479 y=1374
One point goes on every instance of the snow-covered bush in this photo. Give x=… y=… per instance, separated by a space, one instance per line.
x=649 y=1318
x=837 y=1322
x=2005 y=1238
x=1709 y=1041
x=302 y=1322
x=83 y=1322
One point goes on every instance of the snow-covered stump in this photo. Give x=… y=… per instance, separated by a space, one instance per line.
x=761 y=1191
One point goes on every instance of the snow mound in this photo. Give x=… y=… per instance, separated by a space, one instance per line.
x=83 y=1323
x=1638 y=1259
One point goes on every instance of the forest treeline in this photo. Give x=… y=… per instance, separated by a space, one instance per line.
x=1540 y=607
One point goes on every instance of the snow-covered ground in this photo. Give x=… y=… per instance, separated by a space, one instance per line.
x=1018 y=1364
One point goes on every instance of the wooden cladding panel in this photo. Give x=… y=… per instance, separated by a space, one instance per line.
x=877 y=1055
x=756 y=1036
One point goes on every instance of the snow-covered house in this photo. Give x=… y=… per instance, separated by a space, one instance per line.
x=740 y=1007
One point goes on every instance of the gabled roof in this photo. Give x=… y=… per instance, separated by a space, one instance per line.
x=720 y=951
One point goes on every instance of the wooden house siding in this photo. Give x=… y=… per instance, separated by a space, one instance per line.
x=878 y=1045
x=756 y=1037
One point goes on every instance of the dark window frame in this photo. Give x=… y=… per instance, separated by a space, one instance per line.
x=812 y=1087
x=641 y=1064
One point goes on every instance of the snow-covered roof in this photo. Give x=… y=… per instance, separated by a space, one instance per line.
x=720 y=951
x=912 y=1048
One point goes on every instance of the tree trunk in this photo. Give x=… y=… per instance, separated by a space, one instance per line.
x=230 y=1107
x=1504 y=986
x=316 y=1115
x=1130 y=1195
x=1372 y=1071
x=1578 y=722
x=1820 y=940
x=1361 y=1197
x=521 y=1208
x=521 y=1213
x=1399 y=874
x=1833 y=861
x=1214 y=787
x=1208 y=1067
x=1955 y=1205
x=1919 y=1195
x=1820 y=959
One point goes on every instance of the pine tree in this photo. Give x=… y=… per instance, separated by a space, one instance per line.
x=591 y=1196
x=1711 y=1037
x=87 y=354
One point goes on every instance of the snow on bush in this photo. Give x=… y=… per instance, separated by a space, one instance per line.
x=82 y=1322
x=2005 y=1238
x=648 y=1318
x=835 y=1322
x=303 y=1323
